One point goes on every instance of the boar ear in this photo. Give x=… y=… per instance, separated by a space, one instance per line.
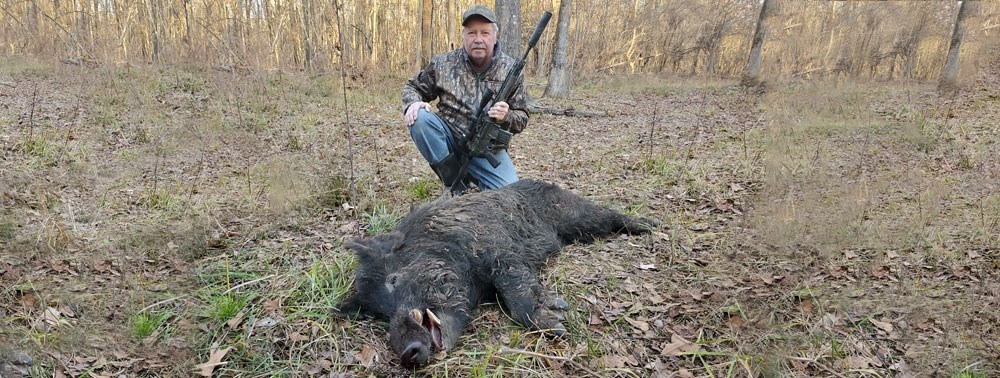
x=378 y=246
x=360 y=246
x=349 y=307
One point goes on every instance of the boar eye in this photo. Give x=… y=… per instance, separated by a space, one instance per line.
x=390 y=282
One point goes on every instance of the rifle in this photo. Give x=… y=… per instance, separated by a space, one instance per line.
x=485 y=134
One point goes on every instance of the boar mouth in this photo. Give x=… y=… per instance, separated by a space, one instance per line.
x=430 y=322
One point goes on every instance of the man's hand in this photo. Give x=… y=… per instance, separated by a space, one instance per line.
x=499 y=111
x=414 y=110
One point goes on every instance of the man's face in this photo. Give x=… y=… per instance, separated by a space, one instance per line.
x=479 y=37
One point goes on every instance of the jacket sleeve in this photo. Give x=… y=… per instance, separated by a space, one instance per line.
x=420 y=87
x=517 y=118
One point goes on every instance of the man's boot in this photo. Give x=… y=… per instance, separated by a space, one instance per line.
x=448 y=170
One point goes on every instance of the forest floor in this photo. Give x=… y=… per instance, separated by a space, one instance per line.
x=168 y=222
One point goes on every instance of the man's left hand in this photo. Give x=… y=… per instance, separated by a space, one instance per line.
x=499 y=111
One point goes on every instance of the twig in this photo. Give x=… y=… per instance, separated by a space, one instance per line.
x=247 y=283
x=817 y=363
x=506 y=350
x=161 y=302
x=347 y=111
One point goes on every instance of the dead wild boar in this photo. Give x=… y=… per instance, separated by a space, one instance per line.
x=446 y=257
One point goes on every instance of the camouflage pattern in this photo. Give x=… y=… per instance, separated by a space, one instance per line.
x=451 y=79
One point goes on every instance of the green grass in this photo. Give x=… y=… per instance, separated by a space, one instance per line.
x=422 y=189
x=970 y=372
x=224 y=306
x=145 y=324
x=381 y=219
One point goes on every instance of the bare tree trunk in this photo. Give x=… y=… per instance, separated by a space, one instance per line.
x=307 y=45
x=509 y=14
x=559 y=75
x=751 y=75
x=949 y=73
x=154 y=30
x=424 y=48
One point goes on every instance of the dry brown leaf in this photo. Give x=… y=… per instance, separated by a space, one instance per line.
x=367 y=355
x=772 y=279
x=885 y=326
x=644 y=326
x=659 y=236
x=678 y=346
x=595 y=319
x=297 y=337
x=236 y=320
x=271 y=305
x=612 y=362
x=806 y=306
x=736 y=321
x=215 y=356
x=858 y=362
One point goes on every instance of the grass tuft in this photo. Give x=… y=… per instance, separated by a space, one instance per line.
x=145 y=324
x=225 y=306
x=381 y=219
x=422 y=189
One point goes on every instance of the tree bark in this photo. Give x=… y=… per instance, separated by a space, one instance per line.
x=424 y=47
x=751 y=75
x=509 y=17
x=307 y=45
x=559 y=75
x=949 y=73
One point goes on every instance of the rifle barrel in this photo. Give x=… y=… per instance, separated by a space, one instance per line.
x=538 y=32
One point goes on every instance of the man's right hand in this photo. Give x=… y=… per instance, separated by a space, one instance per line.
x=414 y=110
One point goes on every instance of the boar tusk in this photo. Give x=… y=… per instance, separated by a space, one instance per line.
x=417 y=316
x=434 y=319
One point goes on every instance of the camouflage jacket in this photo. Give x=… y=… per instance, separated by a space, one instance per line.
x=450 y=79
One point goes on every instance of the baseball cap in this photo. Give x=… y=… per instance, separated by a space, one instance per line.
x=480 y=11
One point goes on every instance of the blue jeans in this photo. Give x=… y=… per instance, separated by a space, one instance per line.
x=435 y=141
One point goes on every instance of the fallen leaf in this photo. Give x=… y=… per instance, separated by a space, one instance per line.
x=595 y=319
x=236 y=320
x=644 y=326
x=771 y=279
x=736 y=321
x=266 y=322
x=659 y=236
x=367 y=355
x=660 y=368
x=215 y=356
x=902 y=370
x=806 y=306
x=678 y=346
x=612 y=362
x=271 y=305
x=885 y=326
x=297 y=337
x=858 y=362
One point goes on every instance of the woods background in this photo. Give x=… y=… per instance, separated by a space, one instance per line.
x=885 y=40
